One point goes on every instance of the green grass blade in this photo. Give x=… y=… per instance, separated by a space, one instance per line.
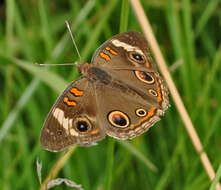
x=51 y=79
x=10 y=4
x=139 y=155
x=205 y=16
x=45 y=26
x=27 y=94
x=124 y=15
x=96 y=32
x=109 y=163
x=111 y=142
x=216 y=179
x=18 y=107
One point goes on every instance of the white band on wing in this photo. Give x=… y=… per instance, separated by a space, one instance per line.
x=126 y=46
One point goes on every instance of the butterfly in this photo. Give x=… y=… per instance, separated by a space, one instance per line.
x=120 y=94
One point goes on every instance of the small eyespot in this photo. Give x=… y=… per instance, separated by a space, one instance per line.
x=137 y=57
x=145 y=77
x=141 y=112
x=59 y=133
x=118 y=119
x=153 y=92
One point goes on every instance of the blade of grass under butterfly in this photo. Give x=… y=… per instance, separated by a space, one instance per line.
x=139 y=155
x=111 y=143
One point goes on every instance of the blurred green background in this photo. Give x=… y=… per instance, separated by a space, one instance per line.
x=189 y=32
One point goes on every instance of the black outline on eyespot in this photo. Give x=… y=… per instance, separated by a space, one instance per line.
x=142 y=110
x=122 y=127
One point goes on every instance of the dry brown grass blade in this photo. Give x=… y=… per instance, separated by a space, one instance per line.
x=58 y=166
x=145 y=25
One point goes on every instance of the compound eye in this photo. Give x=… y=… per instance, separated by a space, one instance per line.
x=118 y=119
x=137 y=57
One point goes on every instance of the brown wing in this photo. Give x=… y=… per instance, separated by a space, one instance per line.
x=118 y=52
x=125 y=57
x=125 y=114
x=72 y=120
x=137 y=95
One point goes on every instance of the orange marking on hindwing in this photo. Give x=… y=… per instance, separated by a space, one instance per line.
x=76 y=92
x=69 y=103
x=111 y=51
x=149 y=115
x=159 y=94
x=105 y=56
x=147 y=64
x=94 y=132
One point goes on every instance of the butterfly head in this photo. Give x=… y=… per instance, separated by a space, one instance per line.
x=82 y=67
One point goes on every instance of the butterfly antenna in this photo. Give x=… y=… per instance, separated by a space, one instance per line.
x=72 y=38
x=63 y=64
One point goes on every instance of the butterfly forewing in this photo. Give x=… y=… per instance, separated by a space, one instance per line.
x=72 y=120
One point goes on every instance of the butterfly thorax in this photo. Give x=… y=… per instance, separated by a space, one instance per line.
x=83 y=67
x=99 y=75
x=93 y=73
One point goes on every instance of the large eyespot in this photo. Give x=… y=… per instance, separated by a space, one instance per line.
x=118 y=119
x=137 y=57
x=153 y=92
x=141 y=112
x=82 y=125
x=145 y=77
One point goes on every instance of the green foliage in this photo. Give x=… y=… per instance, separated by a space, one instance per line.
x=35 y=31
